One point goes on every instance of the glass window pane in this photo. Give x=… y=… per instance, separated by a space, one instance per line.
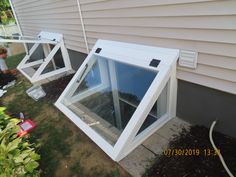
x=158 y=110
x=58 y=58
x=133 y=82
x=57 y=62
x=51 y=66
x=107 y=93
x=90 y=80
x=38 y=54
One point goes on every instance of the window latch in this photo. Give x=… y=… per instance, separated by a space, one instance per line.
x=154 y=62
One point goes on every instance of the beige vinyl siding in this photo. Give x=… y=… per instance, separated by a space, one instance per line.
x=205 y=26
x=208 y=27
x=54 y=16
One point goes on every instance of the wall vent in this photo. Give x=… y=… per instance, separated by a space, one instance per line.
x=188 y=58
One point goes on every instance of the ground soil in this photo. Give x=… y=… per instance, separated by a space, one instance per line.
x=203 y=165
x=54 y=88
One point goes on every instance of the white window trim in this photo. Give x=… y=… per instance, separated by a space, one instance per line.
x=44 y=38
x=166 y=72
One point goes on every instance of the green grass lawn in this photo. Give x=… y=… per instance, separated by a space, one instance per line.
x=65 y=150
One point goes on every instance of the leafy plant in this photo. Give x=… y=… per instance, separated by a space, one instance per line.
x=4 y=5
x=3 y=17
x=6 y=15
x=17 y=156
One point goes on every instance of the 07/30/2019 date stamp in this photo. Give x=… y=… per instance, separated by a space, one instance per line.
x=191 y=152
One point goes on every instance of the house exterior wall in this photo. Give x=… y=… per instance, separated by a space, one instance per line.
x=200 y=25
x=205 y=26
x=53 y=16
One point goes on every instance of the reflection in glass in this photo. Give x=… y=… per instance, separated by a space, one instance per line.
x=91 y=79
x=158 y=110
x=107 y=93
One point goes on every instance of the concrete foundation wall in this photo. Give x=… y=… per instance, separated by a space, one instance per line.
x=76 y=58
x=202 y=105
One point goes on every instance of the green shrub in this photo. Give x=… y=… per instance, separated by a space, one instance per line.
x=17 y=156
x=7 y=17
x=4 y=18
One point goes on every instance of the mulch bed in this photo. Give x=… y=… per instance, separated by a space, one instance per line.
x=54 y=88
x=203 y=165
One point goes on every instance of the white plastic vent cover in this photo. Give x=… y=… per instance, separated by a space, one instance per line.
x=47 y=58
x=188 y=58
x=122 y=94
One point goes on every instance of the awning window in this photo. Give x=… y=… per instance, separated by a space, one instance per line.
x=121 y=93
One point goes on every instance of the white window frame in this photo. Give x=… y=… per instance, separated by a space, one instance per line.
x=137 y=55
x=44 y=38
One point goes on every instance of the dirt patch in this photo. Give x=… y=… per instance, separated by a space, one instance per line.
x=91 y=157
x=86 y=159
x=49 y=114
x=56 y=87
x=64 y=168
x=203 y=164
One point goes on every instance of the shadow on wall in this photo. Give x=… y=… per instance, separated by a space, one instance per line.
x=202 y=105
